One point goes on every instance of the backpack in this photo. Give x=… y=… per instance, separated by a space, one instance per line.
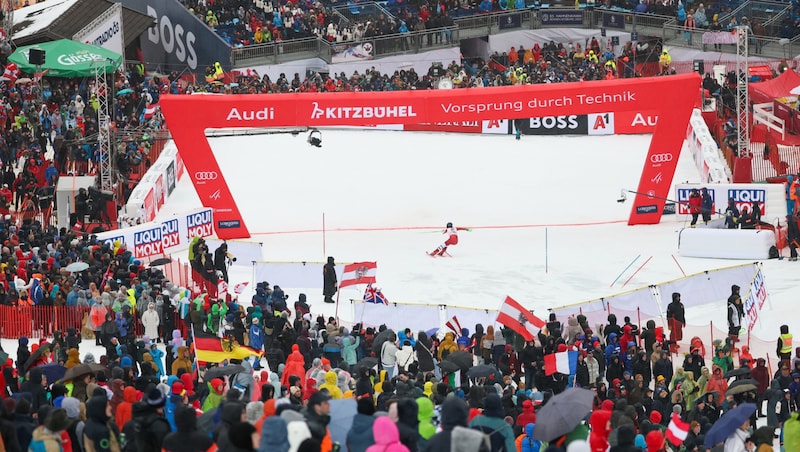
x=496 y=439
x=773 y=252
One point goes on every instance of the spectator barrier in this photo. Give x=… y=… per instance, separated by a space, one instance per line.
x=41 y=321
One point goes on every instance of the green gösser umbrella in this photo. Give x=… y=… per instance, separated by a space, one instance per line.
x=67 y=58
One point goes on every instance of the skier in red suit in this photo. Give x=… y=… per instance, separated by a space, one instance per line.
x=452 y=239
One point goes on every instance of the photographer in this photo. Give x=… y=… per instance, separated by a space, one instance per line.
x=222 y=260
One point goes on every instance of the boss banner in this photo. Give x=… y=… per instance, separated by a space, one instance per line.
x=434 y=106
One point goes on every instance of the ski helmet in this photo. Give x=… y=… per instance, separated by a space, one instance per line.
x=449 y=225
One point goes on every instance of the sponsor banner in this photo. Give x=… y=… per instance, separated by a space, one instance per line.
x=106 y=34
x=647 y=209
x=613 y=20
x=635 y=122
x=171 y=178
x=770 y=198
x=351 y=52
x=755 y=300
x=669 y=208
x=160 y=237
x=179 y=39
x=564 y=17
x=601 y=124
x=496 y=126
x=683 y=194
x=200 y=224
x=432 y=106
x=510 y=21
x=149 y=205
x=161 y=193
x=458 y=127
x=556 y=125
x=720 y=37
x=147 y=242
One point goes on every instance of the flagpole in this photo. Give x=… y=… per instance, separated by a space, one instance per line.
x=336 y=314
x=546 y=254
x=324 y=253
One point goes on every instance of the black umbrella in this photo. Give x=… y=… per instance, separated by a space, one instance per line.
x=726 y=425
x=35 y=355
x=740 y=372
x=733 y=390
x=221 y=371
x=368 y=362
x=485 y=371
x=380 y=338
x=160 y=261
x=448 y=367
x=743 y=381
x=53 y=371
x=562 y=413
x=462 y=359
x=81 y=370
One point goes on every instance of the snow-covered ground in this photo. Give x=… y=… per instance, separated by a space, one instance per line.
x=547 y=227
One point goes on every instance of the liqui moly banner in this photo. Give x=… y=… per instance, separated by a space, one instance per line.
x=756 y=297
x=160 y=237
x=769 y=198
x=496 y=104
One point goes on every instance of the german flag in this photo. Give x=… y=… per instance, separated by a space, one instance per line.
x=211 y=349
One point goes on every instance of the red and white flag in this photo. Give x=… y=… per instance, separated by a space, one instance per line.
x=677 y=430
x=239 y=288
x=37 y=76
x=359 y=273
x=520 y=320
x=150 y=110
x=11 y=73
x=454 y=325
x=222 y=286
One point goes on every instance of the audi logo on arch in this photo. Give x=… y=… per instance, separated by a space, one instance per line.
x=205 y=175
x=661 y=158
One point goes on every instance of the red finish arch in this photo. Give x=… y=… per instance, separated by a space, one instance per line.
x=673 y=97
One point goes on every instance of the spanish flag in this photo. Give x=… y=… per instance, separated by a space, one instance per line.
x=211 y=349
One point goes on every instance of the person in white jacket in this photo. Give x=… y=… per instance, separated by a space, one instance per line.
x=151 y=321
x=388 y=355
x=406 y=356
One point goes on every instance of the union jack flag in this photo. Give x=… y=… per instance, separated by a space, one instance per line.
x=374 y=295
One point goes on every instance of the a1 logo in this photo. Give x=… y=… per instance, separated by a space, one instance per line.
x=601 y=123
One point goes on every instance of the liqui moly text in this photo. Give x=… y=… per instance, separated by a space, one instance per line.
x=147 y=242
x=170 y=235
x=200 y=224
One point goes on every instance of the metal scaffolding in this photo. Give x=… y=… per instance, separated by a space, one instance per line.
x=104 y=128
x=742 y=97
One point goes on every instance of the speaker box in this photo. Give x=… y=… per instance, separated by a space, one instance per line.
x=699 y=66
x=36 y=57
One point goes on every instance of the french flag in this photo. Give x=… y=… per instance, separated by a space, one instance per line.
x=562 y=362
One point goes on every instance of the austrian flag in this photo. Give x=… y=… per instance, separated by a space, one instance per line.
x=677 y=431
x=359 y=273
x=523 y=322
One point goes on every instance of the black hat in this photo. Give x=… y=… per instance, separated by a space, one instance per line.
x=57 y=420
x=155 y=398
x=318 y=397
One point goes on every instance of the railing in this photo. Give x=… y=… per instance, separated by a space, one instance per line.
x=355 y=12
x=762 y=114
x=413 y=42
x=41 y=321
x=273 y=52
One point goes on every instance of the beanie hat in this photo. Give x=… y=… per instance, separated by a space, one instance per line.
x=253 y=411
x=23 y=341
x=155 y=398
x=218 y=385
x=23 y=406
x=126 y=361
x=178 y=388
x=117 y=373
x=57 y=420
x=72 y=406
x=655 y=417
x=655 y=441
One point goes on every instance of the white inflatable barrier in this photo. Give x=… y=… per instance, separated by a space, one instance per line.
x=708 y=157
x=155 y=186
x=726 y=243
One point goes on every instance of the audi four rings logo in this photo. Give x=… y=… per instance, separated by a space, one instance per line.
x=205 y=175
x=661 y=158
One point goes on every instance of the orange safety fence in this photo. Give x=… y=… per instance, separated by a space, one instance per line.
x=41 y=321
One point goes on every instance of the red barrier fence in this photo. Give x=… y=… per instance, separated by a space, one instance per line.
x=40 y=321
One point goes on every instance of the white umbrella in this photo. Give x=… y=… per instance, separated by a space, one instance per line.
x=76 y=267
